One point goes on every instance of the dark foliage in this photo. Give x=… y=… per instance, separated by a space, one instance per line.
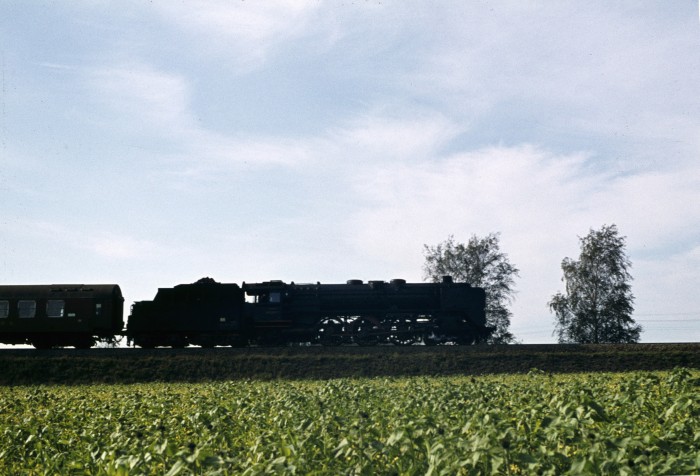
x=597 y=304
x=481 y=263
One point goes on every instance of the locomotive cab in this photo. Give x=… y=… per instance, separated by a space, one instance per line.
x=269 y=303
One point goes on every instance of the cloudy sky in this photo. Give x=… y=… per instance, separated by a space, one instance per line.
x=154 y=143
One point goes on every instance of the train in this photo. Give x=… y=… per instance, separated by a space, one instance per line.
x=208 y=313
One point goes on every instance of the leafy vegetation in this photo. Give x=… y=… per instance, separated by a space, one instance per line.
x=539 y=423
x=598 y=303
x=481 y=263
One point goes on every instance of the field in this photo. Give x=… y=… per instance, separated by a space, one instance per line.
x=533 y=423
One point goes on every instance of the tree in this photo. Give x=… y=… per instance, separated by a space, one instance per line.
x=481 y=263
x=597 y=305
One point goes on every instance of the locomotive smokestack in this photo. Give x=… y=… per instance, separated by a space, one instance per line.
x=447 y=279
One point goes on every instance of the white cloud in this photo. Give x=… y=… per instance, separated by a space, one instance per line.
x=244 y=31
x=656 y=209
x=502 y=188
x=121 y=247
x=99 y=244
x=662 y=286
x=382 y=138
x=143 y=98
x=619 y=72
x=156 y=105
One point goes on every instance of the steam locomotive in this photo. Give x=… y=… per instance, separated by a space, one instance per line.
x=208 y=313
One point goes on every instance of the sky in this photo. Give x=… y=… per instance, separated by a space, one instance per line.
x=154 y=143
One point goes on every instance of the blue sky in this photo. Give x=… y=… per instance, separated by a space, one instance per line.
x=154 y=143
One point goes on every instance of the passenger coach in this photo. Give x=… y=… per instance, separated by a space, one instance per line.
x=60 y=314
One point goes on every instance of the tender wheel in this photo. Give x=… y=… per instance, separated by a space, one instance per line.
x=42 y=343
x=270 y=341
x=238 y=342
x=84 y=343
x=465 y=339
x=144 y=342
x=178 y=341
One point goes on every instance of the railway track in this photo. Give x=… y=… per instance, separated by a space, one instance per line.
x=354 y=349
x=129 y=365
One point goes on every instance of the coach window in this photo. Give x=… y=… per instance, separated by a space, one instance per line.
x=4 y=309
x=275 y=297
x=98 y=309
x=27 y=309
x=55 y=308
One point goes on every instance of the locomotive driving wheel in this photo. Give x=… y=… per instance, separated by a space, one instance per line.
x=430 y=339
x=364 y=332
x=401 y=331
x=330 y=332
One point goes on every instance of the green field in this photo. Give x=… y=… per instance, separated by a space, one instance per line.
x=537 y=423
